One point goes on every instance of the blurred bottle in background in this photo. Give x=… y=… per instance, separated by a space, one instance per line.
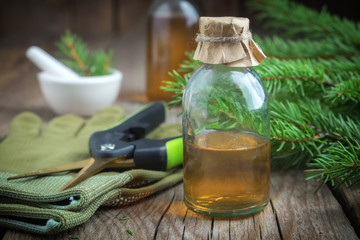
x=171 y=30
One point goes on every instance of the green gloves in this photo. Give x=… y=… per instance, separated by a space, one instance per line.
x=35 y=204
x=65 y=139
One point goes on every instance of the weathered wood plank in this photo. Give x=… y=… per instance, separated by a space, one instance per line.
x=265 y=224
x=219 y=8
x=181 y=223
x=131 y=14
x=350 y=201
x=23 y=20
x=296 y=210
x=91 y=17
x=12 y=62
x=303 y=213
x=144 y=217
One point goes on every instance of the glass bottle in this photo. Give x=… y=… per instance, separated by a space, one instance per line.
x=171 y=28
x=226 y=141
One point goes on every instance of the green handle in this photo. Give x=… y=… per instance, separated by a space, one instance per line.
x=174 y=152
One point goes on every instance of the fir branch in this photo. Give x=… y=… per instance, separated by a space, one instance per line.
x=338 y=64
x=227 y=113
x=295 y=76
x=345 y=90
x=339 y=164
x=314 y=88
x=287 y=133
x=74 y=55
x=327 y=48
x=81 y=59
x=334 y=126
x=100 y=63
x=291 y=128
x=74 y=48
x=293 y=19
x=189 y=65
x=176 y=87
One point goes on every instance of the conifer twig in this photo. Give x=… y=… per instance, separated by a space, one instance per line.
x=81 y=59
x=294 y=78
x=75 y=56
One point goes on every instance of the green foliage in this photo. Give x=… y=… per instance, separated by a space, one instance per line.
x=314 y=86
x=190 y=64
x=293 y=19
x=339 y=164
x=346 y=90
x=295 y=76
x=229 y=113
x=177 y=87
x=78 y=56
x=305 y=48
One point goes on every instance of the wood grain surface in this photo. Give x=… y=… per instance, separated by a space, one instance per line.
x=294 y=212
x=349 y=200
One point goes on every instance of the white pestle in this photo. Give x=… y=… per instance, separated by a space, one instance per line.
x=49 y=64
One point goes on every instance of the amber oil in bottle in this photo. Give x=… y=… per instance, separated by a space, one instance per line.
x=226 y=172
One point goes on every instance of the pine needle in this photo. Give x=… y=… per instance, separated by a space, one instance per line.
x=130 y=232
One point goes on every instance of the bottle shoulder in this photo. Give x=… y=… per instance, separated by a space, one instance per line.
x=217 y=74
x=214 y=81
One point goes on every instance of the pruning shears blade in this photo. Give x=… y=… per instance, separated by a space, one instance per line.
x=92 y=167
x=46 y=171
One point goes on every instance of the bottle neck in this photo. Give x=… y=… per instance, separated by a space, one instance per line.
x=225 y=68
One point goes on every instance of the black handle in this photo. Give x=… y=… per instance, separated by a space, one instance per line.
x=159 y=154
x=119 y=141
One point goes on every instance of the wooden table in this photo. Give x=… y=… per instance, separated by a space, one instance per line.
x=295 y=211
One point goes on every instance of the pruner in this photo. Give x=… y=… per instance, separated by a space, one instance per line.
x=125 y=145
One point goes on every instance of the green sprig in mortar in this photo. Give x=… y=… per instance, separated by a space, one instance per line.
x=77 y=55
x=314 y=86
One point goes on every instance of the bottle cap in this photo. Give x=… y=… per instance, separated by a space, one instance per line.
x=228 y=41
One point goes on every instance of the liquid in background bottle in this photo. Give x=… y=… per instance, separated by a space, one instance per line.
x=171 y=29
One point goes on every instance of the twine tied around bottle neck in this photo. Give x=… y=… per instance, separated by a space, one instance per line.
x=227 y=41
x=234 y=39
